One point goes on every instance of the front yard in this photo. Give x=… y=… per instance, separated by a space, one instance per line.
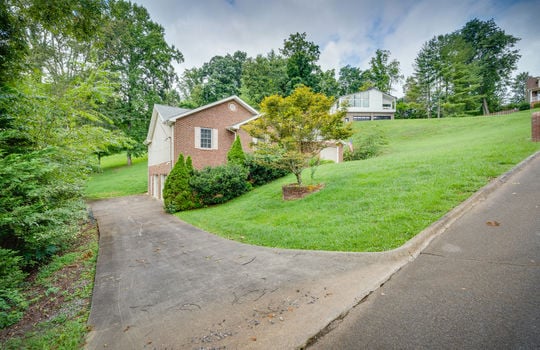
x=428 y=168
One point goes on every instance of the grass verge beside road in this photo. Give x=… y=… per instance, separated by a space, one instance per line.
x=429 y=167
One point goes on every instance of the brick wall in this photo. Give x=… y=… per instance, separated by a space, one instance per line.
x=217 y=117
x=535 y=127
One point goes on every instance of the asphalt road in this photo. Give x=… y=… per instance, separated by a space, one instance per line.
x=477 y=286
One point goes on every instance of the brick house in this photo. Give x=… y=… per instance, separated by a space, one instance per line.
x=533 y=90
x=205 y=134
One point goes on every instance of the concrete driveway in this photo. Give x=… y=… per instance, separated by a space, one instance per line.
x=163 y=284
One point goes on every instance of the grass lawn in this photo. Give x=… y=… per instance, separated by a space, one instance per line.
x=117 y=179
x=428 y=167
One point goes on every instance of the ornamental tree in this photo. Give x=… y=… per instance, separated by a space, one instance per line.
x=236 y=153
x=177 y=193
x=296 y=128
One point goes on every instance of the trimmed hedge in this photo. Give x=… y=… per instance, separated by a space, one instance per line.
x=262 y=171
x=219 y=184
x=186 y=188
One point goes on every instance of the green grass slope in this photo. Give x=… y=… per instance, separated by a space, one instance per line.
x=428 y=167
x=117 y=179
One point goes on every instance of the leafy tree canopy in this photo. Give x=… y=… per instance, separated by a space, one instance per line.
x=384 y=73
x=302 y=56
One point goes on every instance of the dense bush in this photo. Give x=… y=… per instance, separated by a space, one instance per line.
x=369 y=143
x=236 y=154
x=177 y=193
x=536 y=105
x=12 y=302
x=219 y=184
x=524 y=106
x=40 y=206
x=262 y=171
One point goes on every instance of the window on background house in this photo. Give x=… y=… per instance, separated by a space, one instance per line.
x=364 y=96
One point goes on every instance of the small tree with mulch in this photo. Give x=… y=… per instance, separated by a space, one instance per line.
x=296 y=128
x=177 y=193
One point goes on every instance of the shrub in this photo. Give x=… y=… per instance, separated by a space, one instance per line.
x=524 y=106
x=536 y=105
x=177 y=193
x=219 y=184
x=236 y=154
x=262 y=170
x=370 y=144
x=12 y=302
x=40 y=206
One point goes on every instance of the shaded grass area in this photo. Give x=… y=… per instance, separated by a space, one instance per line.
x=116 y=179
x=59 y=300
x=428 y=167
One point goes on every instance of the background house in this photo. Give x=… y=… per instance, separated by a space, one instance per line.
x=533 y=90
x=205 y=134
x=371 y=104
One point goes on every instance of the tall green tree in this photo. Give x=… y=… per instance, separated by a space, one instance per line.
x=135 y=48
x=494 y=53
x=302 y=57
x=383 y=72
x=222 y=75
x=351 y=79
x=218 y=78
x=263 y=76
x=48 y=120
x=13 y=47
x=328 y=84
x=62 y=37
x=448 y=81
x=518 y=88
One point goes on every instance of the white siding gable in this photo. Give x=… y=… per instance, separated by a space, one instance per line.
x=160 y=148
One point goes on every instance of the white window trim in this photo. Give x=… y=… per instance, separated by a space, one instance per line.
x=214 y=140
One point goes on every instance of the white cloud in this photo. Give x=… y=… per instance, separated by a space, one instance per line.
x=347 y=32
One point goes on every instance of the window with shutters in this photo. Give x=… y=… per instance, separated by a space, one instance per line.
x=206 y=138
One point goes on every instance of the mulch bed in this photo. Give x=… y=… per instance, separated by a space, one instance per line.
x=294 y=191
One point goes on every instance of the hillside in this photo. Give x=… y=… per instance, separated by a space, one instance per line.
x=428 y=167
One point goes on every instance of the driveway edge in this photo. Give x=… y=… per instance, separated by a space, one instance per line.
x=411 y=249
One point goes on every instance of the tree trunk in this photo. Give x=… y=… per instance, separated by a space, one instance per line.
x=429 y=102
x=129 y=159
x=299 y=178
x=485 y=107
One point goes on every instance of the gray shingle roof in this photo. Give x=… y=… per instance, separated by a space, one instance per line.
x=168 y=112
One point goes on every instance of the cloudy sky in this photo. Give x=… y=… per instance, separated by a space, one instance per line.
x=347 y=31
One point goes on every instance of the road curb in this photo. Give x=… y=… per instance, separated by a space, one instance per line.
x=418 y=243
x=412 y=248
